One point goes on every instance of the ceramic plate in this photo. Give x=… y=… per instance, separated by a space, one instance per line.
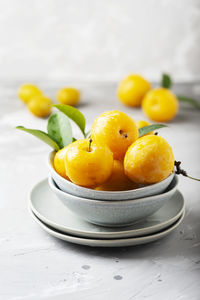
x=109 y=243
x=47 y=207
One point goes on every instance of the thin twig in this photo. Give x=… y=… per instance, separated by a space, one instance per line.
x=181 y=171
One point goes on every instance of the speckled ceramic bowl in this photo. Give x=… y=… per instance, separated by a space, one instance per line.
x=71 y=188
x=115 y=212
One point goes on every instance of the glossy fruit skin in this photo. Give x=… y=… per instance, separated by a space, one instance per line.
x=88 y=167
x=149 y=160
x=69 y=96
x=40 y=106
x=160 y=105
x=118 y=181
x=142 y=123
x=59 y=162
x=116 y=130
x=132 y=89
x=27 y=91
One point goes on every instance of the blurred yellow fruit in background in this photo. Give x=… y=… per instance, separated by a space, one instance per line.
x=132 y=89
x=149 y=160
x=27 y=91
x=88 y=164
x=160 y=105
x=69 y=96
x=118 y=181
x=40 y=106
x=116 y=130
x=59 y=162
x=141 y=124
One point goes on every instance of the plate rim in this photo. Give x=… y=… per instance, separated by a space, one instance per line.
x=100 y=235
x=111 y=242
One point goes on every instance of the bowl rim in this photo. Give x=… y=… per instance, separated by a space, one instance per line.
x=56 y=189
x=114 y=193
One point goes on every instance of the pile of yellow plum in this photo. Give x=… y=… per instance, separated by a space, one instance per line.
x=115 y=157
x=158 y=104
x=120 y=154
x=40 y=105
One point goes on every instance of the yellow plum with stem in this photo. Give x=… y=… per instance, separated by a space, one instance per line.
x=116 y=130
x=88 y=163
x=148 y=160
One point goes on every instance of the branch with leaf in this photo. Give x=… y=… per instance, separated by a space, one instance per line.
x=166 y=82
x=59 y=130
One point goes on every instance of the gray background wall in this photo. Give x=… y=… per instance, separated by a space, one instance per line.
x=99 y=40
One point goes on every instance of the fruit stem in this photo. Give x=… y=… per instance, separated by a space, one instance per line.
x=90 y=142
x=181 y=171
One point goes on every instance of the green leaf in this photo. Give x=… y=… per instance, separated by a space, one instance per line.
x=74 y=139
x=74 y=114
x=59 y=128
x=166 y=81
x=146 y=129
x=190 y=101
x=42 y=136
x=87 y=134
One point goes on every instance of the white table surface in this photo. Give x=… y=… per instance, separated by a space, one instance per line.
x=34 y=265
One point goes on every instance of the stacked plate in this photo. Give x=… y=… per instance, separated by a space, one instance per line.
x=106 y=219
